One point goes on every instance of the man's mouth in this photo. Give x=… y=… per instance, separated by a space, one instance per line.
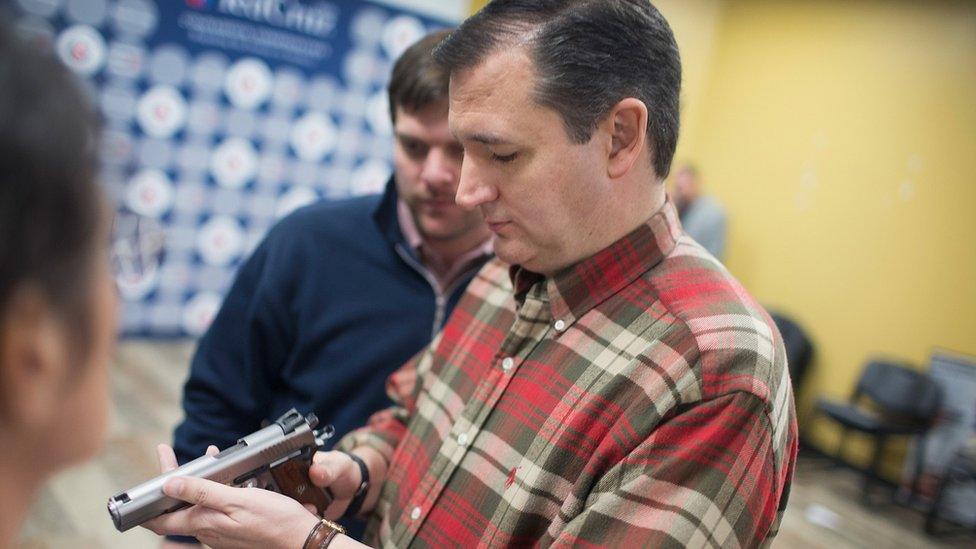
x=496 y=226
x=439 y=202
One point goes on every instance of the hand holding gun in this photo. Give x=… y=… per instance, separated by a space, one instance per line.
x=276 y=458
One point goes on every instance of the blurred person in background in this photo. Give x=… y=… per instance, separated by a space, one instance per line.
x=341 y=293
x=57 y=295
x=702 y=217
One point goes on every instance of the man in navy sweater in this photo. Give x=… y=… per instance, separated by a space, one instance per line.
x=342 y=293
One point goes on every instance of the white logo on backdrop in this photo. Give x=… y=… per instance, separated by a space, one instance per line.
x=126 y=60
x=220 y=240
x=367 y=27
x=150 y=193
x=400 y=33
x=313 y=136
x=135 y=17
x=370 y=177
x=82 y=49
x=234 y=163
x=249 y=83
x=161 y=111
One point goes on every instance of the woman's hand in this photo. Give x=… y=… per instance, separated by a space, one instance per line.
x=226 y=517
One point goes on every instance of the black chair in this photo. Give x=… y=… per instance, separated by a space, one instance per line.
x=799 y=348
x=902 y=402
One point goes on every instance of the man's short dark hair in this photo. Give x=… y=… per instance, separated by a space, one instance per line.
x=50 y=206
x=418 y=81
x=589 y=55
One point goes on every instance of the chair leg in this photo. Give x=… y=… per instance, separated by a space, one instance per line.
x=919 y=466
x=873 y=470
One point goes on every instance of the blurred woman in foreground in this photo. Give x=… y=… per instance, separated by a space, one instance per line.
x=57 y=298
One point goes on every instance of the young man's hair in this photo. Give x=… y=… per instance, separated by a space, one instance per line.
x=417 y=80
x=50 y=204
x=588 y=55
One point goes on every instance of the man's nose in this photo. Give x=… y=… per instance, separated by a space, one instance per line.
x=473 y=190
x=440 y=169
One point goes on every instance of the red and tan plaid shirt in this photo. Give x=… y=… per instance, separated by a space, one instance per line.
x=639 y=398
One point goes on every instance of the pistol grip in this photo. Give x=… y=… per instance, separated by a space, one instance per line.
x=292 y=479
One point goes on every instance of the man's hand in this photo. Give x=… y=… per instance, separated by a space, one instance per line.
x=223 y=516
x=340 y=475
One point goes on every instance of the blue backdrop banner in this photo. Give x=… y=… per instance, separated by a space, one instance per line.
x=222 y=116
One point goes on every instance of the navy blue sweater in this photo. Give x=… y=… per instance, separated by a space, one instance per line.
x=329 y=305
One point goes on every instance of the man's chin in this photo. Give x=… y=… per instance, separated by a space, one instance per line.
x=440 y=233
x=510 y=252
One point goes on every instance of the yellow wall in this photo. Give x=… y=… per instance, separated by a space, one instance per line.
x=841 y=136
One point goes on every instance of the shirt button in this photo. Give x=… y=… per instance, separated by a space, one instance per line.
x=415 y=514
x=560 y=325
x=507 y=364
x=462 y=439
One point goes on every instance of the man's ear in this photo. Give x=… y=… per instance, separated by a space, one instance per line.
x=627 y=126
x=33 y=360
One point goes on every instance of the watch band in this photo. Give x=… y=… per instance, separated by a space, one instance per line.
x=356 y=505
x=322 y=534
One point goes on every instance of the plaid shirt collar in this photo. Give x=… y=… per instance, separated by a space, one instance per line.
x=578 y=288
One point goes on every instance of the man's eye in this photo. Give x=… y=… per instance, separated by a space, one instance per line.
x=504 y=158
x=414 y=149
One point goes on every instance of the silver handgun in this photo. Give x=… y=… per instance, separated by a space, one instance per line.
x=276 y=458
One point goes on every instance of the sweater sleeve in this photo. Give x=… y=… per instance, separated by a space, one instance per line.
x=228 y=391
x=386 y=428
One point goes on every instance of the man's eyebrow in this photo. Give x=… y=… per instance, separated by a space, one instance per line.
x=484 y=138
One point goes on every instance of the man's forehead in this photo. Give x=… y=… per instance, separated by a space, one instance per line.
x=428 y=125
x=497 y=70
x=488 y=94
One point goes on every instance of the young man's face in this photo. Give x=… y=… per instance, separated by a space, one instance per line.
x=540 y=193
x=427 y=160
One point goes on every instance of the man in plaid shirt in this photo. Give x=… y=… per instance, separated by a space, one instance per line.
x=605 y=381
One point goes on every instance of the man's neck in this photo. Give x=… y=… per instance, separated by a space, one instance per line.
x=445 y=258
x=631 y=210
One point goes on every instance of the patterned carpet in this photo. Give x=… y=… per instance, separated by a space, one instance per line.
x=146 y=382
